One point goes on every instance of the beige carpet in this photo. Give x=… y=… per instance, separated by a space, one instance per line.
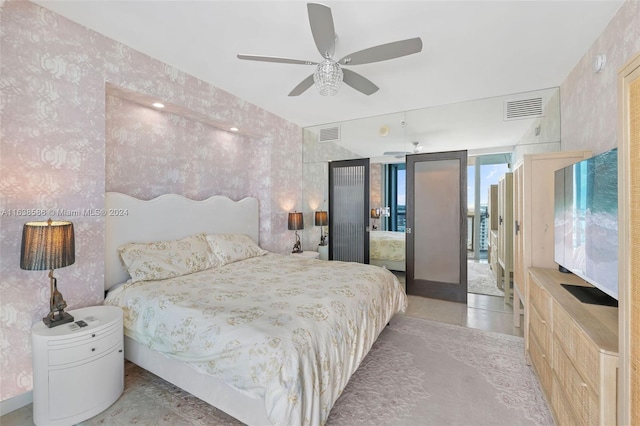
x=418 y=373
x=481 y=279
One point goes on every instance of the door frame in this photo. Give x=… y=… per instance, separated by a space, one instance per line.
x=437 y=290
x=365 y=213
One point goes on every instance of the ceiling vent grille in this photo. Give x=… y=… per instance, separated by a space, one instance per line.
x=523 y=108
x=330 y=134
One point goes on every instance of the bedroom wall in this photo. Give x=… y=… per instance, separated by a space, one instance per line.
x=150 y=152
x=589 y=108
x=53 y=75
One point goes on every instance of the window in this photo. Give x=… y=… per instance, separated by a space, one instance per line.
x=396 y=197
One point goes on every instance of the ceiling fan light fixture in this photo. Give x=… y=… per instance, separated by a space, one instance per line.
x=327 y=77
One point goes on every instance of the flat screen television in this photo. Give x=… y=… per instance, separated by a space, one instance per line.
x=586 y=224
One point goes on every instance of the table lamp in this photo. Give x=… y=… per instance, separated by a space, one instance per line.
x=49 y=245
x=321 y=221
x=375 y=214
x=295 y=223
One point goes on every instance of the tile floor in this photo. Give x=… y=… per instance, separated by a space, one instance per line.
x=482 y=312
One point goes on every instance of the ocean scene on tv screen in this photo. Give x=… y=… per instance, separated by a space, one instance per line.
x=587 y=220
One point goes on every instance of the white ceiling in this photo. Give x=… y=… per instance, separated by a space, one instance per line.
x=472 y=49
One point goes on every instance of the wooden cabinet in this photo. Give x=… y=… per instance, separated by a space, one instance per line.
x=77 y=371
x=505 y=234
x=573 y=347
x=492 y=207
x=493 y=255
x=533 y=216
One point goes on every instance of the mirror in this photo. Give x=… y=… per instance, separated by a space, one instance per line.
x=516 y=124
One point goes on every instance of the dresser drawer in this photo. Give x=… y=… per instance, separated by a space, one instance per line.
x=542 y=363
x=561 y=408
x=542 y=331
x=573 y=387
x=540 y=299
x=583 y=353
x=86 y=348
x=81 y=336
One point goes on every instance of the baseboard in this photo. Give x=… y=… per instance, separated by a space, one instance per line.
x=18 y=401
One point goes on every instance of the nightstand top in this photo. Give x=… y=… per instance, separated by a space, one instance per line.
x=307 y=254
x=96 y=318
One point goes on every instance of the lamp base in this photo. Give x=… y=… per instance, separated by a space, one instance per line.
x=52 y=320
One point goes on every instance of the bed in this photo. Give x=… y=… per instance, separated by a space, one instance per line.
x=387 y=249
x=266 y=338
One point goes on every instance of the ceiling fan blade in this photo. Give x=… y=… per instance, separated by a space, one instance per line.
x=304 y=85
x=276 y=59
x=324 y=33
x=358 y=82
x=383 y=52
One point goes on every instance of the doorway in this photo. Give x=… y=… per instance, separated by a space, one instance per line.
x=437 y=225
x=349 y=210
x=483 y=172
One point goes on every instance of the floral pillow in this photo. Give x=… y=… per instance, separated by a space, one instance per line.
x=229 y=248
x=167 y=259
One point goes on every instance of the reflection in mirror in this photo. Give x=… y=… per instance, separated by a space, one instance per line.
x=510 y=126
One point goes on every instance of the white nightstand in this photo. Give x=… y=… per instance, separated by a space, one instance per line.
x=323 y=252
x=77 y=371
x=307 y=254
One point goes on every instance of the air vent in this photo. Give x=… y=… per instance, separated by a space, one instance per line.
x=523 y=108
x=330 y=134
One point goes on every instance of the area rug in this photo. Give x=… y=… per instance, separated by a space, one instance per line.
x=481 y=279
x=418 y=372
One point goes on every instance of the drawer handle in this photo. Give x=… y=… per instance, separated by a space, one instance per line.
x=93 y=335
x=544 y=356
x=544 y=322
x=93 y=349
x=120 y=350
x=583 y=384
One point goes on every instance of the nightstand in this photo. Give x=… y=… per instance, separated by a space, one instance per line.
x=77 y=371
x=307 y=254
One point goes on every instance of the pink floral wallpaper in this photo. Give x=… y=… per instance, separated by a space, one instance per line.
x=589 y=101
x=64 y=141
x=150 y=152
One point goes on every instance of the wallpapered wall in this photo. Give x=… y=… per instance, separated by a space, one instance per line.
x=53 y=75
x=150 y=152
x=589 y=108
x=316 y=156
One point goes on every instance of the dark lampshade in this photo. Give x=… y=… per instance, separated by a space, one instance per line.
x=47 y=245
x=321 y=218
x=375 y=213
x=295 y=221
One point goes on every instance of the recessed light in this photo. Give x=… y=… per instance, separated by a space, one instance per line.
x=157 y=105
x=233 y=129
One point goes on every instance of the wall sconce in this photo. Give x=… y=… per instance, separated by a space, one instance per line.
x=321 y=221
x=49 y=245
x=296 y=223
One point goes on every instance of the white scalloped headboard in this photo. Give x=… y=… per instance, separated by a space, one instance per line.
x=170 y=217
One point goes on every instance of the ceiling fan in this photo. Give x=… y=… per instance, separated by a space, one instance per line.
x=417 y=148
x=330 y=73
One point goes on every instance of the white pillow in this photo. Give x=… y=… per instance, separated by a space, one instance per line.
x=166 y=259
x=229 y=248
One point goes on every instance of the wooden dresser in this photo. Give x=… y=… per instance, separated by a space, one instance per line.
x=573 y=347
x=505 y=234
x=533 y=217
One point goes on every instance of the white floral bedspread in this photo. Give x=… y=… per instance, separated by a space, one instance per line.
x=387 y=245
x=289 y=329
